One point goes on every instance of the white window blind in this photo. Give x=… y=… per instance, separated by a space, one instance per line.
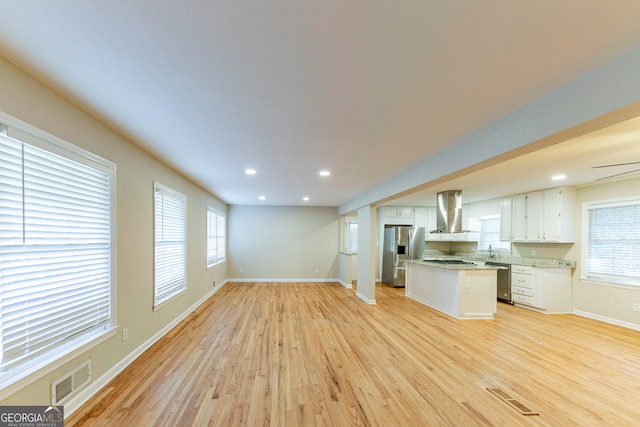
x=613 y=242
x=216 y=232
x=55 y=250
x=170 y=247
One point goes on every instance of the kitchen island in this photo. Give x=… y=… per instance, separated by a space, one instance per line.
x=463 y=291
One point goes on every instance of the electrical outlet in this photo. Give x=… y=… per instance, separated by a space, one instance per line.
x=533 y=252
x=125 y=334
x=636 y=306
x=214 y=282
x=241 y=269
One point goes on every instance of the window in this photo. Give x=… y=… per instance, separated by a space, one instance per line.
x=216 y=243
x=56 y=282
x=170 y=244
x=612 y=240
x=352 y=235
x=490 y=235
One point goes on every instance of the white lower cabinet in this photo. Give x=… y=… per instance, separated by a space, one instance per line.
x=522 y=285
x=543 y=289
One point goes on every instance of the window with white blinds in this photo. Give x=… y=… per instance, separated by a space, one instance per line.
x=612 y=242
x=55 y=249
x=216 y=232
x=169 y=244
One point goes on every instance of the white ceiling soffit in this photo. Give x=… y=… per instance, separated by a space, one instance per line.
x=366 y=89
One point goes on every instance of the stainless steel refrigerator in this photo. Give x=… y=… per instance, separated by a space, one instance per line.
x=400 y=243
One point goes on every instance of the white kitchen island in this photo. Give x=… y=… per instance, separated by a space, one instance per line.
x=466 y=291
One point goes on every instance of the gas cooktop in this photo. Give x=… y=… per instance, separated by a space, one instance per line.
x=448 y=261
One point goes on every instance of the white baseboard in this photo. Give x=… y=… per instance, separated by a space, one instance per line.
x=365 y=299
x=616 y=322
x=346 y=285
x=272 y=280
x=74 y=403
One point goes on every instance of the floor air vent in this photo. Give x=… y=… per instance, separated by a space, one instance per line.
x=70 y=382
x=511 y=401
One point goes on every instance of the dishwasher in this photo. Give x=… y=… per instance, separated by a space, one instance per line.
x=503 y=280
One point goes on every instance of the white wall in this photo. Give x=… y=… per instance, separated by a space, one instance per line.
x=26 y=99
x=280 y=242
x=610 y=302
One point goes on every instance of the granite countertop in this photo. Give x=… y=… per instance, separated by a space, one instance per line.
x=531 y=262
x=453 y=266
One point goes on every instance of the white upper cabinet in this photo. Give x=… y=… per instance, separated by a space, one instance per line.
x=513 y=225
x=426 y=217
x=558 y=214
x=534 y=208
x=398 y=215
x=538 y=216
x=519 y=218
x=506 y=207
x=420 y=217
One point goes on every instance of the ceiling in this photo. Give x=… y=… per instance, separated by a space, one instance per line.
x=605 y=155
x=365 y=88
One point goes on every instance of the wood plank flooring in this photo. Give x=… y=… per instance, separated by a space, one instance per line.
x=313 y=354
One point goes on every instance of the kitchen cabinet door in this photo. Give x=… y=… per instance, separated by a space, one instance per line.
x=506 y=206
x=519 y=218
x=554 y=290
x=534 y=215
x=558 y=214
x=543 y=289
x=420 y=217
x=398 y=215
x=538 y=216
x=431 y=220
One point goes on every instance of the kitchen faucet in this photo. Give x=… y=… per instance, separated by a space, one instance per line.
x=491 y=254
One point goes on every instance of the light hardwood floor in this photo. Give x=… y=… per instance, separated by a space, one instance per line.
x=287 y=354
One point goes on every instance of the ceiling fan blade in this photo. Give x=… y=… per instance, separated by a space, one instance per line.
x=618 y=174
x=615 y=164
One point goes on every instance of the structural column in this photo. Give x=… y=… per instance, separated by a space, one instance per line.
x=367 y=253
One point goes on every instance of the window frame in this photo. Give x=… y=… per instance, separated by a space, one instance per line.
x=351 y=236
x=52 y=357
x=502 y=246
x=217 y=217
x=181 y=287
x=615 y=280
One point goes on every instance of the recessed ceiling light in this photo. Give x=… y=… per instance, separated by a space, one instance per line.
x=305 y=198
x=250 y=171
x=262 y=198
x=324 y=173
x=559 y=177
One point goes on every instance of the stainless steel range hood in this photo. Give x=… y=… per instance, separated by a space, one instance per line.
x=449 y=212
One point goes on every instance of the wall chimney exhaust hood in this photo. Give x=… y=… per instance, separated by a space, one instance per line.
x=449 y=212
